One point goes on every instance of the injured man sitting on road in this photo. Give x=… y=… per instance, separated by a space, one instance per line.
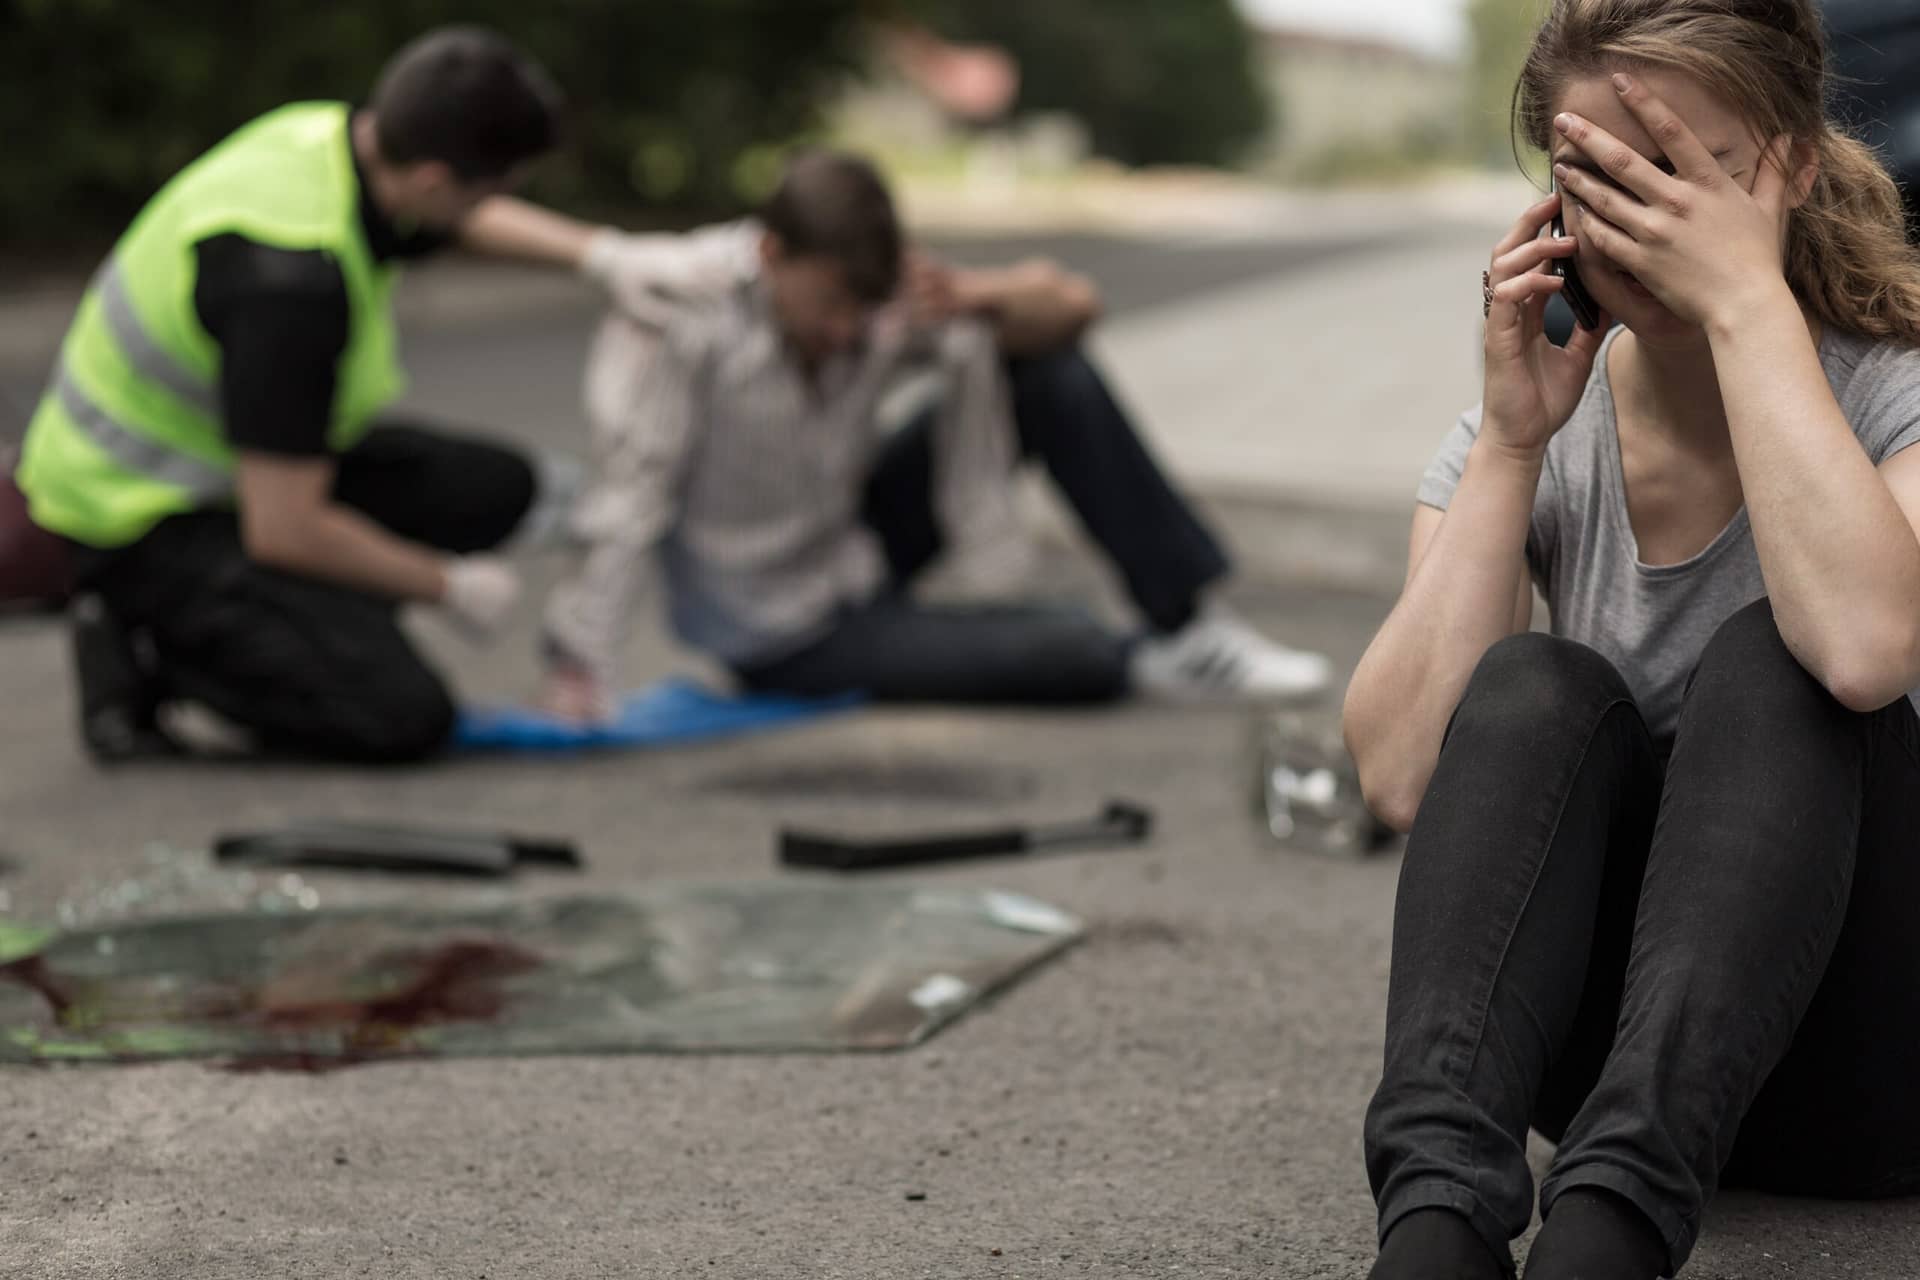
x=736 y=400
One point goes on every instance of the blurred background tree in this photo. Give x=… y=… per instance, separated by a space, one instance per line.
x=675 y=104
x=1500 y=32
x=102 y=100
x=1154 y=81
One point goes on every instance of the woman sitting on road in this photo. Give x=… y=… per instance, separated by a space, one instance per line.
x=1663 y=878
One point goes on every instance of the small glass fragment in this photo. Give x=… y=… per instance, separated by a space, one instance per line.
x=1307 y=792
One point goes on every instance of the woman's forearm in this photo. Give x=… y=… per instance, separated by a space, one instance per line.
x=1461 y=598
x=1839 y=557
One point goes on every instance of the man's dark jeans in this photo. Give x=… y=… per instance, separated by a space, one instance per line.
x=895 y=650
x=1686 y=972
x=314 y=669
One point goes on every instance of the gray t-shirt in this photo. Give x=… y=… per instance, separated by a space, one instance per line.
x=1653 y=622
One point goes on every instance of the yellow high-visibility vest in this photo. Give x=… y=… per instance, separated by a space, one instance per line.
x=129 y=430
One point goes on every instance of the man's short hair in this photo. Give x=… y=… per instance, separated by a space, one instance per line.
x=467 y=97
x=831 y=204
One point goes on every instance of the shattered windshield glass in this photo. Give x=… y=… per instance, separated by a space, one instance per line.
x=782 y=965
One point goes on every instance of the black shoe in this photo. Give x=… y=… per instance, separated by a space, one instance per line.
x=119 y=702
x=1439 y=1244
x=1593 y=1234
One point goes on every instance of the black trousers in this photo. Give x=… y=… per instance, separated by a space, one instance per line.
x=896 y=650
x=311 y=668
x=1687 y=973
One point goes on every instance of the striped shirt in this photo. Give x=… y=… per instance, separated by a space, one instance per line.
x=717 y=453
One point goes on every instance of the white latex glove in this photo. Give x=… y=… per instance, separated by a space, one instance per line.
x=481 y=592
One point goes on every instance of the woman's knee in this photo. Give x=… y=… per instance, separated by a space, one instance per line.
x=1747 y=665
x=1749 y=681
x=1534 y=678
x=1749 y=643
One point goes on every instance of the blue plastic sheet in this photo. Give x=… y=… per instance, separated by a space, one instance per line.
x=670 y=712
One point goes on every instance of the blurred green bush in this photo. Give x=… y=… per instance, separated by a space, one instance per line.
x=1501 y=32
x=677 y=103
x=1155 y=81
x=102 y=100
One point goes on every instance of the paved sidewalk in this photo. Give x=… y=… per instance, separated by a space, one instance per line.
x=1336 y=381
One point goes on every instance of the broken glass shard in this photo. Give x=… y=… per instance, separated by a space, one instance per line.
x=781 y=965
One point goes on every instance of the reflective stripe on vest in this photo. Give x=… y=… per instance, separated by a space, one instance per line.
x=134 y=451
x=128 y=447
x=143 y=355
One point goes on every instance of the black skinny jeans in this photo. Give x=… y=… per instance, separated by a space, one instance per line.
x=1686 y=973
x=311 y=668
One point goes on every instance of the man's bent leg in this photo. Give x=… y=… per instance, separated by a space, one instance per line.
x=896 y=651
x=308 y=668
x=1070 y=420
x=898 y=502
x=455 y=494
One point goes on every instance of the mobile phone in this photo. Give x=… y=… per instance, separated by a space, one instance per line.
x=1586 y=312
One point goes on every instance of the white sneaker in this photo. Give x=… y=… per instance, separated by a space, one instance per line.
x=1219 y=658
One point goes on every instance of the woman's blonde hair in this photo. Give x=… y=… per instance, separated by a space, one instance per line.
x=1848 y=259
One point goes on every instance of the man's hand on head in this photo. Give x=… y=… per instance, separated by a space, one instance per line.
x=1035 y=306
